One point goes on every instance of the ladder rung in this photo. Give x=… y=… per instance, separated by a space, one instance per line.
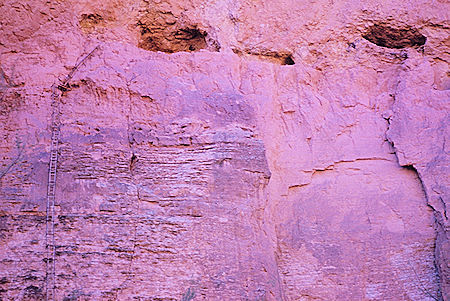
x=55 y=126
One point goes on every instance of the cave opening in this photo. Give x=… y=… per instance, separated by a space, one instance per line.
x=170 y=38
x=288 y=60
x=397 y=38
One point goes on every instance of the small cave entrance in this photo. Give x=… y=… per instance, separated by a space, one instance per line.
x=288 y=60
x=162 y=31
x=397 y=38
x=184 y=39
x=281 y=58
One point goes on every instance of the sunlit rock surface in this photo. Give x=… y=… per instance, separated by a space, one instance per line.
x=227 y=150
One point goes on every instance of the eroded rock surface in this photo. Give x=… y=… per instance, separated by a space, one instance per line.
x=240 y=150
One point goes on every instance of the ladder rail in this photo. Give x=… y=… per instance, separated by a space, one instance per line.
x=55 y=127
x=50 y=273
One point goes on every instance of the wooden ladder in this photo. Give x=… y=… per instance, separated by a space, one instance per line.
x=50 y=283
x=57 y=90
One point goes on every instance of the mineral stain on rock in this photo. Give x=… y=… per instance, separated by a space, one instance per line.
x=390 y=37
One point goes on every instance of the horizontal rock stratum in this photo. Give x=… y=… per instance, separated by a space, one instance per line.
x=224 y=150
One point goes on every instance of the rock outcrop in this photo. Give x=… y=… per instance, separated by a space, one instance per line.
x=226 y=150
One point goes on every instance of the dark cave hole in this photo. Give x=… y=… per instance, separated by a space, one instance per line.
x=282 y=58
x=169 y=39
x=389 y=37
x=190 y=33
x=410 y=167
x=288 y=60
x=133 y=161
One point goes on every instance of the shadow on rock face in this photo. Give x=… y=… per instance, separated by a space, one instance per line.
x=389 y=37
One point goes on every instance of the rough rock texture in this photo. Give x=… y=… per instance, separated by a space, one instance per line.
x=240 y=150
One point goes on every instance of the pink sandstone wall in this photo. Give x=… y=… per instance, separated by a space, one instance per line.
x=237 y=149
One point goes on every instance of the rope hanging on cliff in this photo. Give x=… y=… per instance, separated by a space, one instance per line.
x=57 y=90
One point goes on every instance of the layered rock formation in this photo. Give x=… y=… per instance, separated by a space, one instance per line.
x=226 y=150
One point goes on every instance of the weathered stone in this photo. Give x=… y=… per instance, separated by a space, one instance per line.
x=221 y=150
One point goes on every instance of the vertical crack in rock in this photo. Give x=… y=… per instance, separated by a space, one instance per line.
x=134 y=214
x=439 y=226
x=440 y=230
x=417 y=132
x=391 y=37
x=133 y=161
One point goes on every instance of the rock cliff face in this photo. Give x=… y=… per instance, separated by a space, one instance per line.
x=225 y=150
